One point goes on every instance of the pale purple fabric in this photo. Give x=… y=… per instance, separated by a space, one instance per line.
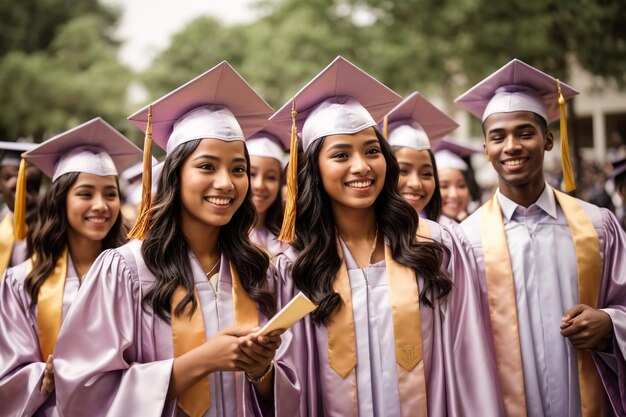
x=268 y=241
x=114 y=356
x=21 y=364
x=546 y=284
x=460 y=378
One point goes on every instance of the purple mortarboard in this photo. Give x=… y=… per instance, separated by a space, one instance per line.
x=449 y=160
x=94 y=147
x=519 y=87
x=218 y=104
x=270 y=142
x=458 y=148
x=342 y=99
x=416 y=123
x=12 y=152
x=516 y=87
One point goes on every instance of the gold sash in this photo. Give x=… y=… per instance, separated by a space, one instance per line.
x=6 y=242
x=501 y=296
x=188 y=333
x=50 y=305
x=404 y=298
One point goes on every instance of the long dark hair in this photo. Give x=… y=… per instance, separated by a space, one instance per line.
x=275 y=212
x=166 y=252
x=315 y=269
x=47 y=244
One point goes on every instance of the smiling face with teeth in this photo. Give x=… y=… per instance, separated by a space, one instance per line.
x=92 y=207
x=214 y=183
x=352 y=169
x=515 y=143
x=417 y=177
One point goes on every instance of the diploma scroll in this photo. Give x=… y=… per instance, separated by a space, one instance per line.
x=297 y=308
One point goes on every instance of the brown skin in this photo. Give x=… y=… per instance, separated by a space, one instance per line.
x=8 y=184
x=515 y=146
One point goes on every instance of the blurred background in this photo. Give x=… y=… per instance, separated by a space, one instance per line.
x=63 y=62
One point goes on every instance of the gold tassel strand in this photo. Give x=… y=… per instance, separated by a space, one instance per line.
x=288 y=229
x=19 y=211
x=568 y=174
x=140 y=228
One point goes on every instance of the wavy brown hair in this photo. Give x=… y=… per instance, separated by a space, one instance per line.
x=47 y=244
x=318 y=262
x=166 y=252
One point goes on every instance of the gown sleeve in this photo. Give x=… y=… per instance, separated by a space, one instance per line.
x=21 y=365
x=98 y=356
x=470 y=372
x=614 y=304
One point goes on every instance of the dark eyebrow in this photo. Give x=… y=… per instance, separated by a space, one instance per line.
x=518 y=127
x=91 y=187
x=238 y=160
x=206 y=156
x=340 y=146
x=371 y=142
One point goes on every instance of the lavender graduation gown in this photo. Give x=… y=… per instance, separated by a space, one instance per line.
x=21 y=364
x=114 y=355
x=268 y=241
x=544 y=269
x=460 y=380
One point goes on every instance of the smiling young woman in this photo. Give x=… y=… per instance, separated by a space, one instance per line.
x=78 y=217
x=376 y=345
x=190 y=289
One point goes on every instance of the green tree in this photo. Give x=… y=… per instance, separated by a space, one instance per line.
x=77 y=78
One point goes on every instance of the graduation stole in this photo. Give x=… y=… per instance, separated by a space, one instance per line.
x=501 y=298
x=188 y=333
x=50 y=305
x=423 y=230
x=6 y=241
x=404 y=298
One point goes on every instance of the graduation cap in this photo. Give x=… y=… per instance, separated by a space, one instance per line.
x=12 y=151
x=340 y=100
x=460 y=149
x=448 y=160
x=272 y=142
x=416 y=123
x=519 y=87
x=218 y=104
x=94 y=147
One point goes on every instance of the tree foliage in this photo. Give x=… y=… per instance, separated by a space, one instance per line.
x=51 y=84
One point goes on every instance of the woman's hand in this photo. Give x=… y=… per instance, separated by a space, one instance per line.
x=259 y=351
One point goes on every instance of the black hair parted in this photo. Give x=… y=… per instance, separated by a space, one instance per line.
x=166 y=252
x=315 y=268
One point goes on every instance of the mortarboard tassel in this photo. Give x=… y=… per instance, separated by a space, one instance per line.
x=19 y=211
x=288 y=229
x=568 y=174
x=386 y=126
x=140 y=228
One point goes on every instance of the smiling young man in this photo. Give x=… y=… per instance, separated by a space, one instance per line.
x=552 y=267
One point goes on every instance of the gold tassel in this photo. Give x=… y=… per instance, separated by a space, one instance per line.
x=288 y=229
x=568 y=174
x=140 y=228
x=386 y=126
x=19 y=211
